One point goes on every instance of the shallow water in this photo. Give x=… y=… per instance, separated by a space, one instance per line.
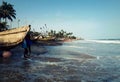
x=79 y=61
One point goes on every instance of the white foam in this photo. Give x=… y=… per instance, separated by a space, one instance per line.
x=47 y=63
x=105 y=41
x=74 y=46
x=79 y=47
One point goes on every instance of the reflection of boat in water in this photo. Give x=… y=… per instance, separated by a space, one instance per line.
x=13 y=37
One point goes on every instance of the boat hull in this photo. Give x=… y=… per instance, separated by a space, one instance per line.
x=13 y=37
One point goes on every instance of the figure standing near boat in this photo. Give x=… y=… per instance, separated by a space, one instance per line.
x=27 y=45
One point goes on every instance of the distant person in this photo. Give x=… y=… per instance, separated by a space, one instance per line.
x=27 y=45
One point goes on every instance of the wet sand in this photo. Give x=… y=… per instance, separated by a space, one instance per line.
x=41 y=68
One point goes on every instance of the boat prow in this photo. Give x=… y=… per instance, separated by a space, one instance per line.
x=13 y=37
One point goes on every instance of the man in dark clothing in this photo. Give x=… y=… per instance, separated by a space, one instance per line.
x=27 y=45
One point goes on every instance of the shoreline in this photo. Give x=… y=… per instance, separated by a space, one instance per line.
x=38 y=48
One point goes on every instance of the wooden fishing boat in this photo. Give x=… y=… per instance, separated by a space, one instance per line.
x=13 y=37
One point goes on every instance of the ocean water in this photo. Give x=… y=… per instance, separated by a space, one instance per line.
x=105 y=67
x=97 y=48
x=77 y=61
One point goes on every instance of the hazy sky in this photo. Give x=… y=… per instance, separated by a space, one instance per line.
x=90 y=19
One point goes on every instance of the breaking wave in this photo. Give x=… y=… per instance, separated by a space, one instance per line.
x=106 y=41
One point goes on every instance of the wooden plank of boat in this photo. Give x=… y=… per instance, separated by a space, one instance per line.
x=13 y=37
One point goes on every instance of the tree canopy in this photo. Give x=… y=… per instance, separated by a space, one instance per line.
x=6 y=12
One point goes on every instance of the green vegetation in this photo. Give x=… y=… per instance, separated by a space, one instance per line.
x=61 y=34
x=7 y=12
x=3 y=26
x=58 y=35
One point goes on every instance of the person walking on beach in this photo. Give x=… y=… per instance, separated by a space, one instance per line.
x=27 y=45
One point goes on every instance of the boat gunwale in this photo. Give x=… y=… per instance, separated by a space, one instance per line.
x=13 y=32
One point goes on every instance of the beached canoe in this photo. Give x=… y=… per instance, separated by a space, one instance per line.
x=13 y=36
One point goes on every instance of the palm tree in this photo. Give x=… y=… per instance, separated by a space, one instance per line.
x=8 y=11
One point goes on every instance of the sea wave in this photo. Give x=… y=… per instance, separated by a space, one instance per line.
x=106 y=41
x=77 y=47
x=72 y=46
